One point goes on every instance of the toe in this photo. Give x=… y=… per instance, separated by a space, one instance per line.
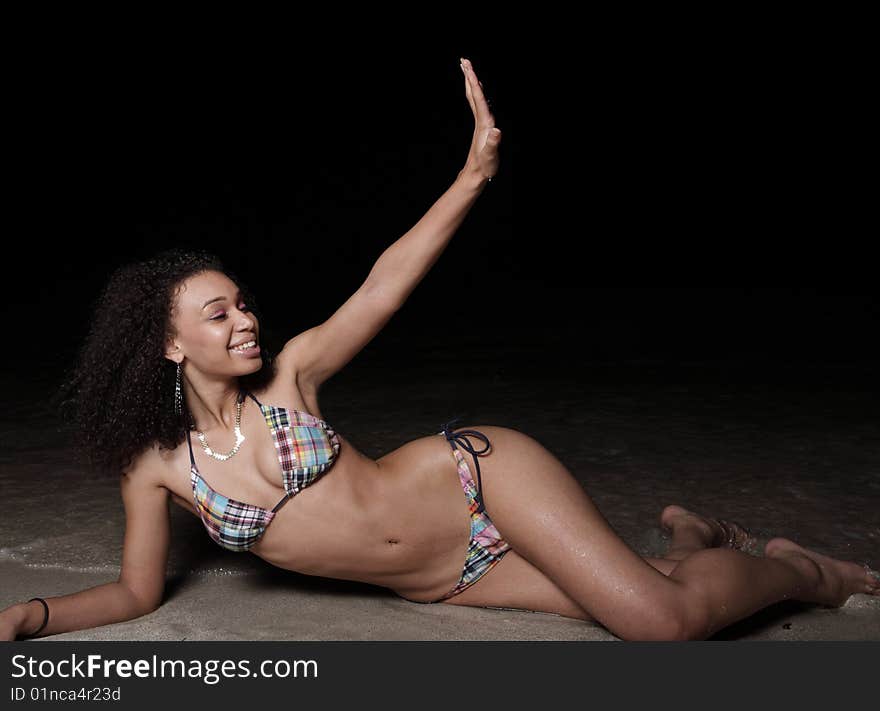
x=736 y=536
x=668 y=515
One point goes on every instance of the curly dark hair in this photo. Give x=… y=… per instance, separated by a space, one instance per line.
x=119 y=396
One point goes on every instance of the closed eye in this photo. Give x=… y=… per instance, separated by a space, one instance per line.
x=222 y=314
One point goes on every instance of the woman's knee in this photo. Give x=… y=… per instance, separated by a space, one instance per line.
x=673 y=623
x=547 y=518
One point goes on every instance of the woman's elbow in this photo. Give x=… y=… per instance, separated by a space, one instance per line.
x=143 y=602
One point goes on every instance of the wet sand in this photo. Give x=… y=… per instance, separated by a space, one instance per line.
x=786 y=449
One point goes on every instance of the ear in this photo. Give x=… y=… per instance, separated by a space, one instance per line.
x=173 y=352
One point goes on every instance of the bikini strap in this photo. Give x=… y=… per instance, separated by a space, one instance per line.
x=192 y=459
x=280 y=503
x=461 y=438
x=253 y=397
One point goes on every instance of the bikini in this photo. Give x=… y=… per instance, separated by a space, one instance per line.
x=307 y=447
x=486 y=547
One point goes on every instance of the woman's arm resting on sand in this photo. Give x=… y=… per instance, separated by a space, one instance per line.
x=142 y=580
x=318 y=353
x=101 y=605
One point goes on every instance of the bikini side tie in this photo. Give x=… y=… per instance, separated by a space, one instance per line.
x=461 y=438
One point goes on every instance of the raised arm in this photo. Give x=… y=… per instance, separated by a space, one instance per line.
x=316 y=354
x=141 y=583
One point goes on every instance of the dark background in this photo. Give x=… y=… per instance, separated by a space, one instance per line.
x=640 y=191
x=670 y=283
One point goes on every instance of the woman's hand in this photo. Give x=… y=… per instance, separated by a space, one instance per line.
x=482 y=160
x=10 y=622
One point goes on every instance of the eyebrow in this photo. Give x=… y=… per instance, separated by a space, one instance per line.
x=218 y=298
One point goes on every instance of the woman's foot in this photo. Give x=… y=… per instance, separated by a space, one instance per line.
x=838 y=579
x=691 y=531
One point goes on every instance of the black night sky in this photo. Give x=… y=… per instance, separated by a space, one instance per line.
x=622 y=182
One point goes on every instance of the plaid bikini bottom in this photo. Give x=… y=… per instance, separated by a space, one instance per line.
x=486 y=546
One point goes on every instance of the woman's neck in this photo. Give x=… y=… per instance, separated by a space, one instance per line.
x=212 y=405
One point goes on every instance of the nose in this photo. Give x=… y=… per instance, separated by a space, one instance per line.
x=246 y=321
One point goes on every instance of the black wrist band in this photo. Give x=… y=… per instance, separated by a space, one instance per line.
x=45 y=618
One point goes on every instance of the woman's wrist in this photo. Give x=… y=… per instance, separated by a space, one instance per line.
x=31 y=615
x=471 y=177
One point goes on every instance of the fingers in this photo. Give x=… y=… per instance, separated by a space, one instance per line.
x=474 y=92
x=467 y=90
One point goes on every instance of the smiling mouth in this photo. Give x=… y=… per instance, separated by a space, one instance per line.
x=245 y=347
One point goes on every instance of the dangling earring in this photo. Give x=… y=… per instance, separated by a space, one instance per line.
x=178 y=394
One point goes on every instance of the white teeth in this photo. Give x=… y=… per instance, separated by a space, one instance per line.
x=244 y=346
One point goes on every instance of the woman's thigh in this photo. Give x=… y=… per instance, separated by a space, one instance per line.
x=548 y=519
x=515 y=583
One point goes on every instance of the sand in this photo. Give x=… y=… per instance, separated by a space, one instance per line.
x=787 y=451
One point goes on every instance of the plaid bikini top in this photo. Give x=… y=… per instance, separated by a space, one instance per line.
x=307 y=447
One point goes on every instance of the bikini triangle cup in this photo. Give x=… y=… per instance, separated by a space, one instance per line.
x=307 y=447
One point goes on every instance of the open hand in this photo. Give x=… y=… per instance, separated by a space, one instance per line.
x=482 y=160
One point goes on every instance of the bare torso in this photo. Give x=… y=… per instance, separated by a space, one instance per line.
x=400 y=521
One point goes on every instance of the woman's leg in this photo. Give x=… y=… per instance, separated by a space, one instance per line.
x=548 y=519
x=692 y=532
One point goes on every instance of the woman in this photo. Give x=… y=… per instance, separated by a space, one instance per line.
x=176 y=391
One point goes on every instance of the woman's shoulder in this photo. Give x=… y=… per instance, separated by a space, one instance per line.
x=286 y=392
x=153 y=463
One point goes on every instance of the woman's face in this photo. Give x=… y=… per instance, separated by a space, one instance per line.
x=214 y=328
